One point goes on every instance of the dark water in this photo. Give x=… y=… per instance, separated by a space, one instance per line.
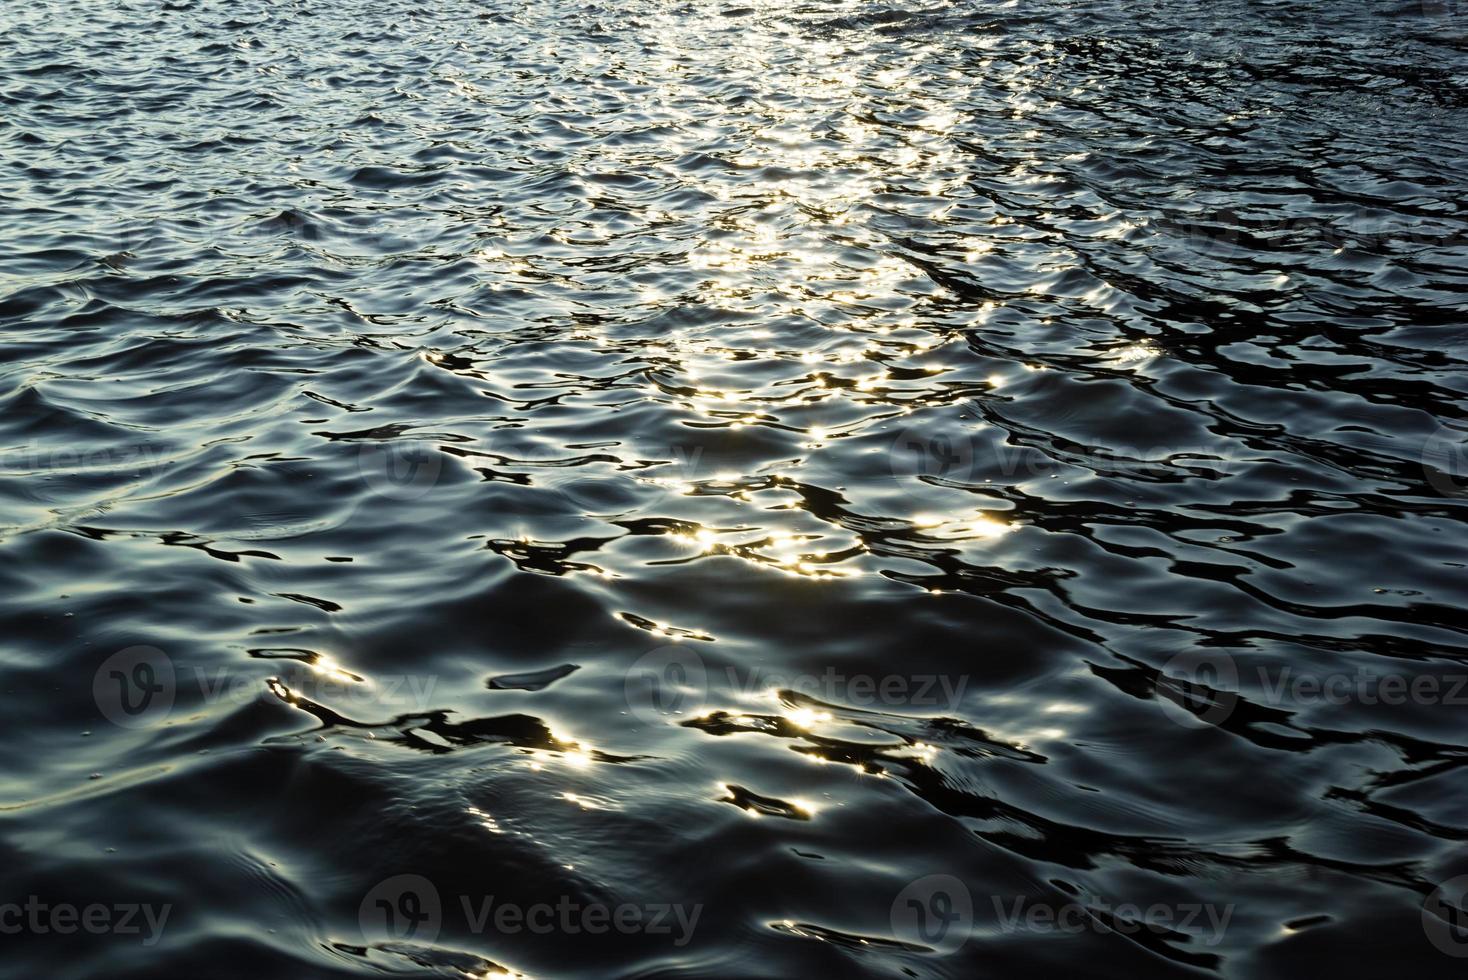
x=645 y=489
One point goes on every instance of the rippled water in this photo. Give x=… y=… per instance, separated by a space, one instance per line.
x=970 y=490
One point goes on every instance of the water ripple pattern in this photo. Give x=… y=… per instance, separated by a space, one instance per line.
x=656 y=489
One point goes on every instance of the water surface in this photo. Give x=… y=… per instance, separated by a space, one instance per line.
x=933 y=491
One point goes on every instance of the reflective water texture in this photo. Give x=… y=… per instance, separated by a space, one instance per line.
x=944 y=491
